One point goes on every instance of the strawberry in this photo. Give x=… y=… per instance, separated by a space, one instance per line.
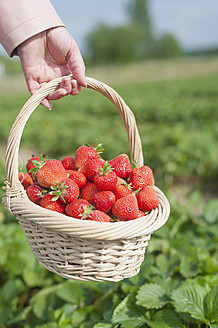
x=141 y=214
x=67 y=191
x=141 y=177
x=122 y=190
x=91 y=168
x=34 y=164
x=99 y=216
x=51 y=173
x=78 y=177
x=88 y=191
x=121 y=165
x=103 y=200
x=106 y=179
x=35 y=192
x=69 y=172
x=52 y=205
x=68 y=163
x=147 y=199
x=85 y=153
x=76 y=208
x=126 y=208
x=25 y=179
x=147 y=171
x=89 y=213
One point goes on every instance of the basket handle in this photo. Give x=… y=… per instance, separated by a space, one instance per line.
x=12 y=150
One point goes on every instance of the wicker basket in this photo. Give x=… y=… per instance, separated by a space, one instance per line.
x=80 y=249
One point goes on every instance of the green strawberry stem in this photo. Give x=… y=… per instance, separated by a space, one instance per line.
x=105 y=168
x=97 y=147
x=58 y=190
x=87 y=210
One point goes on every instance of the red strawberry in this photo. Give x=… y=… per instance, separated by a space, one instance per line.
x=89 y=213
x=88 y=191
x=147 y=171
x=83 y=154
x=51 y=173
x=103 y=200
x=35 y=192
x=126 y=208
x=76 y=208
x=122 y=190
x=91 y=168
x=25 y=179
x=121 y=165
x=68 y=163
x=120 y=181
x=99 y=216
x=141 y=177
x=69 y=172
x=106 y=179
x=78 y=177
x=141 y=214
x=49 y=204
x=34 y=164
x=147 y=199
x=67 y=191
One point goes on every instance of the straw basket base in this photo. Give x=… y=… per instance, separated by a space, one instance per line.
x=85 y=259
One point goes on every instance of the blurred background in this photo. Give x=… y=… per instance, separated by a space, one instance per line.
x=162 y=58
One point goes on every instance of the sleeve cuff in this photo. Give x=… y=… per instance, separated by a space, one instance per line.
x=29 y=28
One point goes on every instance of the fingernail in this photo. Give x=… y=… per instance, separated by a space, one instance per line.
x=67 y=82
x=74 y=84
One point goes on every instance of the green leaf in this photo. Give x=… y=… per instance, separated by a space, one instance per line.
x=128 y=315
x=189 y=298
x=151 y=296
x=162 y=262
x=189 y=267
x=103 y=325
x=5 y=313
x=164 y=319
x=11 y=289
x=168 y=284
x=211 y=305
x=70 y=292
x=211 y=211
x=49 y=325
x=214 y=325
x=41 y=302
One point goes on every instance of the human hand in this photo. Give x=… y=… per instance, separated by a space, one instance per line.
x=48 y=55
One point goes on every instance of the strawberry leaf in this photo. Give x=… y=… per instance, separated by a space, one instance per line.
x=189 y=298
x=211 y=211
x=128 y=315
x=165 y=319
x=211 y=305
x=188 y=267
x=151 y=296
x=103 y=325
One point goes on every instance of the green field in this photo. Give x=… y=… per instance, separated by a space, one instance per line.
x=177 y=118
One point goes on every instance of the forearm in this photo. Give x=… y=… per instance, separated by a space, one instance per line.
x=22 y=19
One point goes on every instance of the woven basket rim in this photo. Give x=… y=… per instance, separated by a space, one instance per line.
x=23 y=208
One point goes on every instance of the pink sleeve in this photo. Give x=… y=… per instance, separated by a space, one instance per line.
x=21 y=19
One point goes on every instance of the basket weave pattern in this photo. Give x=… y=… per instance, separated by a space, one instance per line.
x=80 y=249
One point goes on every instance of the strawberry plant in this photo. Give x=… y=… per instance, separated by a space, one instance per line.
x=176 y=286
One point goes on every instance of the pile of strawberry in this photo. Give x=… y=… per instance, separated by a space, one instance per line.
x=88 y=187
